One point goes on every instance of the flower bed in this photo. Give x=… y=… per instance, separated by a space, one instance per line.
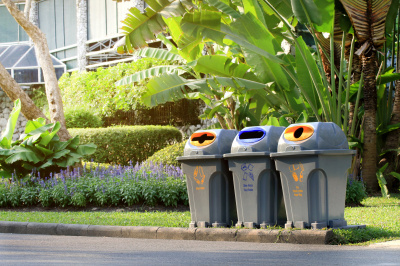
x=99 y=186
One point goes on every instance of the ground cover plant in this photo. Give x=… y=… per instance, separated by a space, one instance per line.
x=100 y=186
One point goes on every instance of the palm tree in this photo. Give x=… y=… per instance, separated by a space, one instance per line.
x=368 y=18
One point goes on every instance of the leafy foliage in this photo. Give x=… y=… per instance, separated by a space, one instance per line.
x=99 y=186
x=355 y=191
x=94 y=87
x=141 y=27
x=81 y=118
x=168 y=155
x=39 y=149
x=120 y=145
x=240 y=41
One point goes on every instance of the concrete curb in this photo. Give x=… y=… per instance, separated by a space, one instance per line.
x=216 y=234
x=319 y=237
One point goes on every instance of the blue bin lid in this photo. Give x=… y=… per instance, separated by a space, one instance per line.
x=257 y=139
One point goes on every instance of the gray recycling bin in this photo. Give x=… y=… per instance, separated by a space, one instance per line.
x=209 y=182
x=313 y=160
x=258 y=188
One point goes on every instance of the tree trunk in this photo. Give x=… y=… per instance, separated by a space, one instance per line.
x=81 y=7
x=14 y=92
x=369 y=161
x=34 y=14
x=28 y=4
x=53 y=92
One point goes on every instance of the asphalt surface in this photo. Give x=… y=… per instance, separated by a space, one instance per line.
x=26 y=249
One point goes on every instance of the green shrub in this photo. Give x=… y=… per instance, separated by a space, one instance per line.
x=93 y=87
x=167 y=156
x=355 y=191
x=81 y=118
x=120 y=145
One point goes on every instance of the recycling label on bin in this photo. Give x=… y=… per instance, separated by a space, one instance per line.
x=248 y=177
x=199 y=177
x=297 y=174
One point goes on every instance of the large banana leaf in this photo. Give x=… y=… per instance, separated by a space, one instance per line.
x=208 y=23
x=157 y=53
x=164 y=88
x=24 y=154
x=303 y=74
x=149 y=73
x=368 y=18
x=47 y=137
x=250 y=28
x=140 y=28
x=219 y=65
x=224 y=8
x=34 y=124
x=302 y=7
x=392 y=14
x=251 y=6
x=6 y=136
x=244 y=31
x=318 y=12
x=190 y=46
x=170 y=87
x=60 y=154
x=284 y=7
x=310 y=79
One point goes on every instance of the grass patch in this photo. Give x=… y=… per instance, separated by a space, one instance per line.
x=380 y=215
x=157 y=218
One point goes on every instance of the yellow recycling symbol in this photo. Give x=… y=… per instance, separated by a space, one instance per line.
x=199 y=175
x=297 y=172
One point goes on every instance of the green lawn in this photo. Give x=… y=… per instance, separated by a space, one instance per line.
x=163 y=219
x=382 y=217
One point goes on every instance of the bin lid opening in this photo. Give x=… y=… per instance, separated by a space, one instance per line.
x=298 y=133
x=202 y=138
x=251 y=135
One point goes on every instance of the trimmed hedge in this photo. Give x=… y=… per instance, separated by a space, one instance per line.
x=122 y=144
x=167 y=156
x=81 y=118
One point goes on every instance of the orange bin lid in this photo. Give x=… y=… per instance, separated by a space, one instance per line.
x=298 y=133
x=202 y=138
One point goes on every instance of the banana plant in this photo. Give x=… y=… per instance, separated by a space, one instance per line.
x=232 y=60
x=39 y=149
x=369 y=20
x=224 y=100
x=7 y=134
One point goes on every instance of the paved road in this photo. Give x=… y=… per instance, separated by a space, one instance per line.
x=67 y=250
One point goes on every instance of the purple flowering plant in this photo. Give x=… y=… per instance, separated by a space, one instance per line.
x=98 y=185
